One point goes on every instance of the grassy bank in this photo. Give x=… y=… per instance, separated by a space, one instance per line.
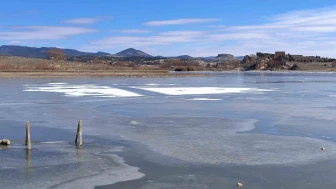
x=316 y=66
x=13 y=74
x=30 y=67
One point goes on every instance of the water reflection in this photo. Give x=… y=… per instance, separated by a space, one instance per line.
x=79 y=153
x=28 y=162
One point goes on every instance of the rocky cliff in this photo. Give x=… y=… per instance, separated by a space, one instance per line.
x=265 y=63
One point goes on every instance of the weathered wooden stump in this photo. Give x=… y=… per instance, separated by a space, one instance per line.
x=28 y=141
x=79 y=137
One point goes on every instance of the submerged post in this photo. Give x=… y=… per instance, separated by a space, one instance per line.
x=28 y=141
x=79 y=134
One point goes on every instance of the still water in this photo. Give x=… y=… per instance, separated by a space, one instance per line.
x=264 y=129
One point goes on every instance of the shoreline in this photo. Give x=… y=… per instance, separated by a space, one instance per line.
x=85 y=73
x=134 y=74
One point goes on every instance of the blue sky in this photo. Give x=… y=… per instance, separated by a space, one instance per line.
x=173 y=27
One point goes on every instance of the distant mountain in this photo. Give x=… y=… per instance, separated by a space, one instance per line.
x=33 y=52
x=132 y=52
x=240 y=57
x=184 y=57
x=208 y=57
x=99 y=53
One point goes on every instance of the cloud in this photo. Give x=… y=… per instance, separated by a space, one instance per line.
x=15 y=42
x=307 y=32
x=317 y=29
x=239 y=36
x=181 y=21
x=42 y=32
x=85 y=20
x=168 y=38
x=132 y=31
x=172 y=39
x=319 y=20
x=163 y=38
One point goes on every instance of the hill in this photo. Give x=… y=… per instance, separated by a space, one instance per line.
x=240 y=57
x=33 y=52
x=132 y=52
x=207 y=58
x=225 y=57
x=184 y=57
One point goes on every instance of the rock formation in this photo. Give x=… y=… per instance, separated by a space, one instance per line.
x=225 y=57
x=265 y=63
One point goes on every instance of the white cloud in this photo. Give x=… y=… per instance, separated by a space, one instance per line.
x=308 y=32
x=181 y=21
x=85 y=20
x=164 y=38
x=318 y=29
x=15 y=42
x=132 y=31
x=42 y=32
x=311 y=21
x=169 y=38
x=239 y=36
x=183 y=33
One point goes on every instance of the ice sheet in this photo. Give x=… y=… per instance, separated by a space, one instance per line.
x=81 y=90
x=60 y=165
x=215 y=140
x=205 y=99
x=201 y=90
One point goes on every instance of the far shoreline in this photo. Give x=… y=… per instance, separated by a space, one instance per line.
x=98 y=73
x=134 y=74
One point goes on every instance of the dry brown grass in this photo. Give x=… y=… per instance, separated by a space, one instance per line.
x=93 y=74
x=316 y=66
x=30 y=67
x=9 y=63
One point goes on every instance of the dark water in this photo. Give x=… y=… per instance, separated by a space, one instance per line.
x=268 y=136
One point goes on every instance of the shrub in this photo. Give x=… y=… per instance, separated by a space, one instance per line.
x=44 y=66
x=57 y=54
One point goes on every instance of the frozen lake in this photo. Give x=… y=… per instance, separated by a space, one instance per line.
x=264 y=129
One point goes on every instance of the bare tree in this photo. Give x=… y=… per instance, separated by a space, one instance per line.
x=57 y=54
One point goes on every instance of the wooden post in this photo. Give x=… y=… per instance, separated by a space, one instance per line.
x=28 y=141
x=79 y=134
